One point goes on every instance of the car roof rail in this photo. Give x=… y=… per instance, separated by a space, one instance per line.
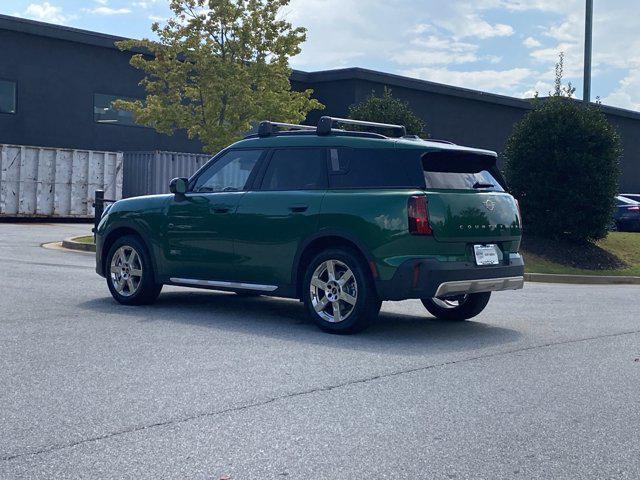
x=266 y=128
x=416 y=137
x=325 y=125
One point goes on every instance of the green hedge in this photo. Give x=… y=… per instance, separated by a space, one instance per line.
x=562 y=164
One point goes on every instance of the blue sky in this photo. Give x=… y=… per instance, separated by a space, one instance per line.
x=501 y=46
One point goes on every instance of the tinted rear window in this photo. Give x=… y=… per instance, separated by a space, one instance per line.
x=457 y=170
x=296 y=169
x=462 y=181
x=370 y=168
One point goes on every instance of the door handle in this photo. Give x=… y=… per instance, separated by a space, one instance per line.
x=298 y=208
x=221 y=209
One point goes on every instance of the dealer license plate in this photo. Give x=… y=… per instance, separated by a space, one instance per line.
x=486 y=254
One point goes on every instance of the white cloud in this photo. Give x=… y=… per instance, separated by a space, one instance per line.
x=436 y=50
x=543 y=88
x=45 y=12
x=531 y=42
x=627 y=93
x=541 y=5
x=502 y=81
x=339 y=34
x=465 y=20
x=472 y=25
x=463 y=43
x=107 y=11
x=145 y=4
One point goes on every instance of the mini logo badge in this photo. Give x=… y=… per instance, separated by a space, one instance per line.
x=489 y=204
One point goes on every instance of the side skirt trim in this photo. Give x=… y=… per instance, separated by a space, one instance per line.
x=218 y=283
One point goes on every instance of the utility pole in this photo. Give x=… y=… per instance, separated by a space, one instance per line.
x=588 y=35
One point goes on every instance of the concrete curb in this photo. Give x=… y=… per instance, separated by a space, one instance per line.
x=582 y=279
x=71 y=244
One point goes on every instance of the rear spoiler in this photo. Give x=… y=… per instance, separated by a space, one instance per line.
x=457 y=161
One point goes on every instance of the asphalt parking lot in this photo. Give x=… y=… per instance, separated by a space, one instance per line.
x=545 y=383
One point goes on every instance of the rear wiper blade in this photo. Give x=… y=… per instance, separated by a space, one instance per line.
x=483 y=185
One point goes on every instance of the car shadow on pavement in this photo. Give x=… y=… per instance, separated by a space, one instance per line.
x=285 y=319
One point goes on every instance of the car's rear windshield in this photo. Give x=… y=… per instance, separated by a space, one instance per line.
x=461 y=171
x=462 y=181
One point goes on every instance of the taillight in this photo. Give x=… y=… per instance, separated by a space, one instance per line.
x=519 y=213
x=418 y=216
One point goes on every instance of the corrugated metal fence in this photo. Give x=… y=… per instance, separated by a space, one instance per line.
x=146 y=173
x=55 y=182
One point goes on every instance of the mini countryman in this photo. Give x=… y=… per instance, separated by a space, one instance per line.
x=340 y=219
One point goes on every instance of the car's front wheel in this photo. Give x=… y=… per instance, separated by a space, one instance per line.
x=130 y=272
x=458 y=307
x=339 y=293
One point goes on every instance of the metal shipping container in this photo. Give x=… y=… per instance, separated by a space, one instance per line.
x=147 y=173
x=56 y=182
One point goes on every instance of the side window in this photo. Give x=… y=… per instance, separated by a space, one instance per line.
x=7 y=96
x=369 y=168
x=296 y=169
x=228 y=173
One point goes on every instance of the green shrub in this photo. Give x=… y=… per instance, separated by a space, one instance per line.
x=562 y=164
x=388 y=109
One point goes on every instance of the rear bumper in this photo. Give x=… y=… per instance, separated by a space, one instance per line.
x=426 y=278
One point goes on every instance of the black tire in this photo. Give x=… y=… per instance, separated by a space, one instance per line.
x=358 y=315
x=469 y=307
x=146 y=290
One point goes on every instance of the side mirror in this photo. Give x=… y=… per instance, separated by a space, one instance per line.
x=178 y=186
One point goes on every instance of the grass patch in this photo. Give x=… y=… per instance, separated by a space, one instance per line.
x=83 y=239
x=618 y=254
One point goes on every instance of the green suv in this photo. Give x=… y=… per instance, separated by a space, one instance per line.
x=339 y=219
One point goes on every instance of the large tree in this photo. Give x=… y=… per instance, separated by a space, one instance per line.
x=217 y=67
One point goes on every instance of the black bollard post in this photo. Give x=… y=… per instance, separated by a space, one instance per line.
x=98 y=205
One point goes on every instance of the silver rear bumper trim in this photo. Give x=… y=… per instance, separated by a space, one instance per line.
x=479 y=285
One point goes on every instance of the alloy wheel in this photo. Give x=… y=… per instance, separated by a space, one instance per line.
x=126 y=271
x=334 y=291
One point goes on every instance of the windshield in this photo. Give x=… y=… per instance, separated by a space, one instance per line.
x=461 y=171
x=462 y=181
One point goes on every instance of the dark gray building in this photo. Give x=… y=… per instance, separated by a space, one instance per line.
x=56 y=85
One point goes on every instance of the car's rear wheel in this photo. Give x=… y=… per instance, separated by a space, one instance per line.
x=339 y=293
x=458 y=307
x=130 y=272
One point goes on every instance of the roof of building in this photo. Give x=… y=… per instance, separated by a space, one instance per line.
x=62 y=32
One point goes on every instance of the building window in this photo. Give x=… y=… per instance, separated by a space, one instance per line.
x=7 y=96
x=104 y=112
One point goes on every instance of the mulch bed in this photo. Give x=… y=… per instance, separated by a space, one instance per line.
x=585 y=255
